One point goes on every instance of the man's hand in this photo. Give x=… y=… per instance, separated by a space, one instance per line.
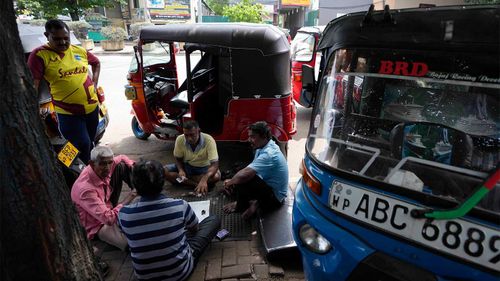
x=182 y=174
x=201 y=188
x=228 y=187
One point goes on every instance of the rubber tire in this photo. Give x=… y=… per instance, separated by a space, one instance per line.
x=138 y=132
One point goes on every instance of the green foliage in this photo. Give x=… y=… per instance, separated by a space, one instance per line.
x=113 y=33
x=80 y=28
x=482 y=2
x=245 y=11
x=135 y=28
x=48 y=9
x=218 y=6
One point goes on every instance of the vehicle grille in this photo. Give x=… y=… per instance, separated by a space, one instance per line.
x=382 y=267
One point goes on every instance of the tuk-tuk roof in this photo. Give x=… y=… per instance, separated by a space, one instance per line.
x=312 y=29
x=33 y=37
x=468 y=28
x=266 y=38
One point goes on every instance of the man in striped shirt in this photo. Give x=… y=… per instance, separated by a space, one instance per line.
x=163 y=234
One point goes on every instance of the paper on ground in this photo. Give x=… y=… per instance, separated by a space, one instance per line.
x=201 y=209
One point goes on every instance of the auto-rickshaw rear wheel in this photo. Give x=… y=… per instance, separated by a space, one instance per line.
x=137 y=130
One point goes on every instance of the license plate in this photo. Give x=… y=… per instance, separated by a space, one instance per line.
x=103 y=109
x=67 y=154
x=467 y=240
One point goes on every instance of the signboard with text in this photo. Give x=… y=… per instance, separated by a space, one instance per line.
x=169 y=9
x=305 y=3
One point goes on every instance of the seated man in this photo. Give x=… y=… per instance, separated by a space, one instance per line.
x=96 y=193
x=156 y=227
x=264 y=182
x=196 y=159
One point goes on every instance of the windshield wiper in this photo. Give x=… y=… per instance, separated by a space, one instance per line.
x=463 y=208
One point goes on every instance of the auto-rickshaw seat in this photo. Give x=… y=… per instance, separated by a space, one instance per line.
x=180 y=100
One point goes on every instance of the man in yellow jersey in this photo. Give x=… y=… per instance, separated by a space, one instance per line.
x=65 y=68
x=196 y=159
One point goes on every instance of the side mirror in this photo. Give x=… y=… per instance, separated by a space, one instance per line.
x=308 y=92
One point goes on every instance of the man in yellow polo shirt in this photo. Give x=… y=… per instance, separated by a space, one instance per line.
x=65 y=68
x=196 y=159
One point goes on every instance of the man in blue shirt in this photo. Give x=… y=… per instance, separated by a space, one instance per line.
x=163 y=234
x=263 y=183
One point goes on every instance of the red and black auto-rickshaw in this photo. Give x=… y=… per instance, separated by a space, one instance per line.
x=304 y=52
x=243 y=76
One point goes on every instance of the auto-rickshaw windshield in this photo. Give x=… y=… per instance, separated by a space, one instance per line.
x=411 y=120
x=302 y=47
x=152 y=53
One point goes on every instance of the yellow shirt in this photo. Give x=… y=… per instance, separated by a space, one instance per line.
x=67 y=74
x=204 y=154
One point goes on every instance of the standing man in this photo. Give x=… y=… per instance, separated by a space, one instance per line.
x=65 y=68
x=196 y=159
x=96 y=193
x=163 y=234
x=264 y=182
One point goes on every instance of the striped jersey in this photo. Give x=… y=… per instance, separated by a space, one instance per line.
x=156 y=232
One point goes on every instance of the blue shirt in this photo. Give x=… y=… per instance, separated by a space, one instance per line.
x=270 y=165
x=155 y=229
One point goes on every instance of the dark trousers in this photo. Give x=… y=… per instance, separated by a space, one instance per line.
x=255 y=189
x=122 y=173
x=206 y=232
x=80 y=130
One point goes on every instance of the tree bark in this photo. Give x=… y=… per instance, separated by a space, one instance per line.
x=40 y=235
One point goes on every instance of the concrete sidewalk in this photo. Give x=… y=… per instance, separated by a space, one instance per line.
x=226 y=260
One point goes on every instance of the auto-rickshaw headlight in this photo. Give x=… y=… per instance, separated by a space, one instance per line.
x=130 y=92
x=314 y=241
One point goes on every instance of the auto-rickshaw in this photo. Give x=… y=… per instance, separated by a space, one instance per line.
x=400 y=180
x=304 y=51
x=243 y=76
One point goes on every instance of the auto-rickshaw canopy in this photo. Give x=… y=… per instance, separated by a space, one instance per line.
x=268 y=39
x=445 y=27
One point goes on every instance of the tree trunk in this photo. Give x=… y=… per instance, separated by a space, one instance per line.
x=40 y=235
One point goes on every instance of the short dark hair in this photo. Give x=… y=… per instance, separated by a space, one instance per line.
x=262 y=129
x=55 y=24
x=190 y=124
x=148 y=177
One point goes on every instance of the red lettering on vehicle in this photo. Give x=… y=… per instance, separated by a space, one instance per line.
x=419 y=69
x=403 y=68
x=385 y=67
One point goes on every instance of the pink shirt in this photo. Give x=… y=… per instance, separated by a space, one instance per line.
x=91 y=196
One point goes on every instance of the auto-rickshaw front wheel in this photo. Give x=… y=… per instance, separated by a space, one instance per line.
x=137 y=130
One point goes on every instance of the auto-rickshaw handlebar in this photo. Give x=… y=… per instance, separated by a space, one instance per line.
x=151 y=81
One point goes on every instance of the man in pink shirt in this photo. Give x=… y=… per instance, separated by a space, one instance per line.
x=96 y=193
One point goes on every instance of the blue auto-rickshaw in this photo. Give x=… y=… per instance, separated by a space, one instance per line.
x=400 y=176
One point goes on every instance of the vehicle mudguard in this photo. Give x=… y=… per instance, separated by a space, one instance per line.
x=277 y=132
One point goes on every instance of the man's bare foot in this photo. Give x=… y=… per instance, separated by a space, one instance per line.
x=230 y=208
x=250 y=212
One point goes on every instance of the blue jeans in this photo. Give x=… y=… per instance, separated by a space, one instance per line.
x=190 y=170
x=80 y=130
